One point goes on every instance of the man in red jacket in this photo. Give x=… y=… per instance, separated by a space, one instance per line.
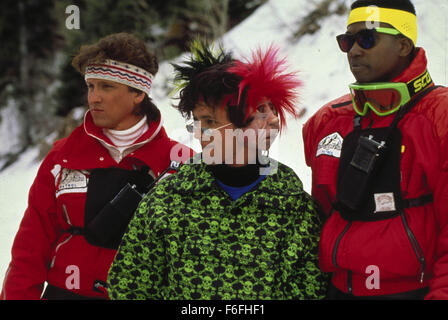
x=90 y=183
x=379 y=158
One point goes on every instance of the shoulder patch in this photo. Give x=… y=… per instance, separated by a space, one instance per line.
x=331 y=145
x=72 y=181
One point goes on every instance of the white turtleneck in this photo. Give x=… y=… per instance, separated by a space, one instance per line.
x=123 y=139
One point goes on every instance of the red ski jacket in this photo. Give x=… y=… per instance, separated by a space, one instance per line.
x=43 y=250
x=354 y=251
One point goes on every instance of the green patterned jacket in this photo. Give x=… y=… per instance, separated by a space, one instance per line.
x=189 y=240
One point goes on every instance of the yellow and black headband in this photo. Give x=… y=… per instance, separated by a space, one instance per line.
x=403 y=21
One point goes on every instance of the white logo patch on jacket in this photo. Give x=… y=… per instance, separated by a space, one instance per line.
x=331 y=145
x=71 y=181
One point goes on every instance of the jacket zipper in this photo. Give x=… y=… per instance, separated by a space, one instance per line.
x=67 y=219
x=415 y=246
x=57 y=248
x=334 y=258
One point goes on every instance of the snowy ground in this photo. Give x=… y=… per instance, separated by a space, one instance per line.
x=323 y=68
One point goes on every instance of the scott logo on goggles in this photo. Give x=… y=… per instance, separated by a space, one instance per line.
x=422 y=82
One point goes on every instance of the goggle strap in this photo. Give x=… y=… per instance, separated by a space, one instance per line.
x=401 y=113
x=419 y=84
x=415 y=86
x=408 y=106
x=390 y=31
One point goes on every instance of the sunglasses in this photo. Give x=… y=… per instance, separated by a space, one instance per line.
x=383 y=98
x=365 y=38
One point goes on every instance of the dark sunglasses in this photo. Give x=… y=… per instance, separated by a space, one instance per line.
x=365 y=38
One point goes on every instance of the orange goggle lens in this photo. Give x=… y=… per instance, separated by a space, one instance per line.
x=382 y=101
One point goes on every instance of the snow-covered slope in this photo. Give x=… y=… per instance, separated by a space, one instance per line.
x=322 y=67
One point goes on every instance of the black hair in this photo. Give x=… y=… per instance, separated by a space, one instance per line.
x=405 y=5
x=205 y=76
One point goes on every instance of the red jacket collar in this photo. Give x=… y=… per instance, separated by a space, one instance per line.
x=83 y=149
x=92 y=130
x=415 y=69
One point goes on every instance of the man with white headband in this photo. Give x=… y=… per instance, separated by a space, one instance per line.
x=90 y=183
x=379 y=157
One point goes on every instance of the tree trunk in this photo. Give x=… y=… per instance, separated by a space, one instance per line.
x=24 y=98
x=23 y=46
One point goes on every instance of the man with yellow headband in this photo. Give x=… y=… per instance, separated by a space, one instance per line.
x=379 y=158
x=90 y=183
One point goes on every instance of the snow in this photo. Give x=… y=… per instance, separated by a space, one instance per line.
x=322 y=67
x=11 y=141
x=15 y=182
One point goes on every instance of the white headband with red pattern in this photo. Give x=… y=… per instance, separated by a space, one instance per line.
x=120 y=72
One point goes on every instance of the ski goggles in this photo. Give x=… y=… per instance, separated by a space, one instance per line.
x=383 y=98
x=365 y=38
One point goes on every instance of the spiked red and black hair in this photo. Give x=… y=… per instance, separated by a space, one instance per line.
x=240 y=86
x=266 y=77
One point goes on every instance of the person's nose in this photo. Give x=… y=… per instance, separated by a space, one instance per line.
x=93 y=96
x=355 y=51
x=272 y=119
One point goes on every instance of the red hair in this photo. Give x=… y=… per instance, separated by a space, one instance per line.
x=265 y=77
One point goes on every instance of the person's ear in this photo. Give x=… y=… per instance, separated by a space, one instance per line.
x=139 y=96
x=406 y=46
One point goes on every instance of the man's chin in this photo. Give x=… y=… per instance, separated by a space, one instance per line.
x=101 y=123
x=361 y=75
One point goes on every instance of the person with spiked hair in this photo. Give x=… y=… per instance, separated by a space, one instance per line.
x=226 y=226
x=379 y=158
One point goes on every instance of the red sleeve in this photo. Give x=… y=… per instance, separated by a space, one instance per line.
x=308 y=141
x=313 y=127
x=439 y=284
x=27 y=272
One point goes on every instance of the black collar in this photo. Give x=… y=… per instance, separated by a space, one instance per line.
x=236 y=176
